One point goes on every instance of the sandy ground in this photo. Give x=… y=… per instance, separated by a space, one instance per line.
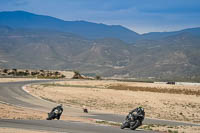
x=12 y=112
x=16 y=79
x=95 y=96
x=172 y=129
x=106 y=83
x=16 y=130
x=68 y=74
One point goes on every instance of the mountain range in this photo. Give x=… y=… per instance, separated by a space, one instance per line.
x=42 y=42
x=21 y=19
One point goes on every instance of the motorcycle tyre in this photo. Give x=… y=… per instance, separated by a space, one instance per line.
x=50 y=116
x=136 y=125
x=124 y=125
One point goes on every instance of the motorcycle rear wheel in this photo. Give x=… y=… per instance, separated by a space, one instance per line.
x=124 y=125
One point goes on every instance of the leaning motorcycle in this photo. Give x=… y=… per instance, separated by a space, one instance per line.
x=55 y=114
x=132 y=121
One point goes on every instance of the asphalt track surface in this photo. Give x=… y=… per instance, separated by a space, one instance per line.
x=12 y=93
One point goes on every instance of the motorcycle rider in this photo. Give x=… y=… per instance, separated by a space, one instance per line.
x=59 y=108
x=139 y=111
x=134 y=119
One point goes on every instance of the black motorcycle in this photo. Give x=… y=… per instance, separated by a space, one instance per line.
x=132 y=121
x=54 y=114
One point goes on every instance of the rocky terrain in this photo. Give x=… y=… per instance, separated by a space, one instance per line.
x=30 y=73
x=157 y=56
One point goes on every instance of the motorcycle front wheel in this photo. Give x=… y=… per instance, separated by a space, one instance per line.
x=124 y=125
x=135 y=125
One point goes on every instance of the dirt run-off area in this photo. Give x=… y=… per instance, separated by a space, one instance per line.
x=14 y=112
x=3 y=80
x=8 y=111
x=16 y=130
x=162 y=101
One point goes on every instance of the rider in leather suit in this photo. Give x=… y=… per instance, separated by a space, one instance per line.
x=60 y=108
x=137 y=112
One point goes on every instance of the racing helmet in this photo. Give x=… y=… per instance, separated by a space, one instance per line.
x=141 y=108
x=60 y=105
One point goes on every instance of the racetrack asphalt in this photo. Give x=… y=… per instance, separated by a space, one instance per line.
x=13 y=93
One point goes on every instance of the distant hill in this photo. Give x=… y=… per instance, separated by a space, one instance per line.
x=21 y=19
x=160 y=35
x=173 y=57
x=36 y=45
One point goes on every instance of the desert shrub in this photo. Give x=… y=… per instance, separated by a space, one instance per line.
x=98 y=77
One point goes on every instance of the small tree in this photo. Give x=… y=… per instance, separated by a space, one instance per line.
x=98 y=77
x=5 y=70
x=14 y=70
x=77 y=75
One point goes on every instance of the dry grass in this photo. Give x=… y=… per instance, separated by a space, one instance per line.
x=157 y=90
x=171 y=129
x=102 y=96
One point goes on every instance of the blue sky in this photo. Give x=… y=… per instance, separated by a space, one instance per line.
x=139 y=15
